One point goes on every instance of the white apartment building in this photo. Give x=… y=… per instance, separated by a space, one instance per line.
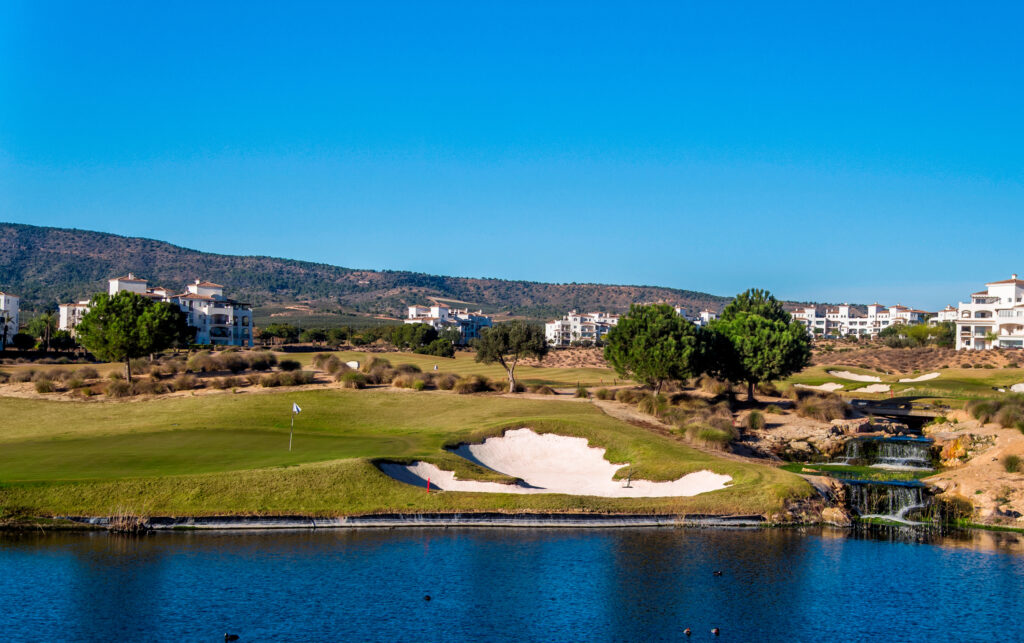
x=579 y=327
x=8 y=317
x=443 y=318
x=215 y=318
x=843 y=321
x=994 y=318
x=947 y=314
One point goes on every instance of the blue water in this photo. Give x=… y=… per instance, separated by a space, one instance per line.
x=507 y=585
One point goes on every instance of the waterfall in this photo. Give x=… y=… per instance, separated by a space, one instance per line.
x=890 y=500
x=904 y=453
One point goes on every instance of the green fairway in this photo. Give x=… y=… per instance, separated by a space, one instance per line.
x=228 y=454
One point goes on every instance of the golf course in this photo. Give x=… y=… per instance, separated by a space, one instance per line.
x=227 y=454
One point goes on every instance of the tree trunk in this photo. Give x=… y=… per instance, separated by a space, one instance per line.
x=128 y=369
x=511 y=382
x=750 y=392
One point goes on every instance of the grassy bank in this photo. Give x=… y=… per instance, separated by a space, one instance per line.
x=227 y=454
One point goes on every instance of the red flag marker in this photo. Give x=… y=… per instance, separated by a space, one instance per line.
x=428 y=484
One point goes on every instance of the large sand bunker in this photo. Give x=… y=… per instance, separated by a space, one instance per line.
x=828 y=387
x=549 y=463
x=922 y=378
x=873 y=388
x=847 y=375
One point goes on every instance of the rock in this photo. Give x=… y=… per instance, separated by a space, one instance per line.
x=846 y=427
x=836 y=516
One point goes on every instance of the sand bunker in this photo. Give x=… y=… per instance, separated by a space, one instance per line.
x=874 y=388
x=549 y=463
x=923 y=378
x=847 y=375
x=1017 y=388
x=828 y=387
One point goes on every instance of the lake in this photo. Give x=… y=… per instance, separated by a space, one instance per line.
x=508 y=585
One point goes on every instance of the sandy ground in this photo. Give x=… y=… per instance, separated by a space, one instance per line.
x=549 y=463
x=827 y=386
x=907 y=360
x=873 y=388
x=923 y=378
x=997 y=494
x=847 y=375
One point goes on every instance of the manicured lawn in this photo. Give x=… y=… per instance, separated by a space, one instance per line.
x=227 y=454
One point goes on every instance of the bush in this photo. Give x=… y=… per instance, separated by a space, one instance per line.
x=289 y=365
x=767 y=388
x=4 y=377
x=301 y=378
x=234 y=362
x=184 y=382
x=542 y=389
x=23 y=376
x=262 y=361
x=45 y=386
x=754 y=421
x=983 y=410
x=822 y=407
x=332 y=365
x=374 y=363
x=581 y=391
x=1012 y=463
x=713 y=386
x=445 y=382
x=419 y=385
x=353 y=379
x=629 y=395
x=147 y=387
x=714 y=437
x=408 y=368
x=203 y=362
x=603 y=394
x=87 y=373
x=118 y=388
x=467 y=385
x=651 y=404
x=271 y=380
x=402 y=381
x=774 y=409
x=438 y=348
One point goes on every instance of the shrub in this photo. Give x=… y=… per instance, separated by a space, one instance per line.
x=118 y=388
x=1012 y=463
x=466 y=386
x=262 y=361
x=1011 y=365
x=353 y=379
x=23 y=376
x=140 y=365
x=203 y=362
x=822 y=407
x=4 y=377
x=147 y=387
x=628 y=395
x=184 y=382
x=234 y=362
x=714 y=437
x=968 y=366
x=374 y=363
x=332 y=364
x=603 y=394
x=713 y=386
x=116 y=376
x=445 y=382
x=754 y=421
x=408 y=368
x=653 y=405
x=768 y=388
x=301 y=378
x=543 y=389
x=419 y=385
x=983 y=410
x=289 y=365
x=774 y=409
x=271 y=380
x=45 y=386
x=87 y=373
x=581 y=391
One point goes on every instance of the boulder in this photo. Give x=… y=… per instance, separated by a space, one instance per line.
x=836 y=516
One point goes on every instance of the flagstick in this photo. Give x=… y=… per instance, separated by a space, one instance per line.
x=290 y=433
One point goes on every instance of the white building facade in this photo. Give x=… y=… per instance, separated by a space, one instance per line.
x=579 y=327
x=8 y=317
x=216 y=319
x=843 y=321
x=994 y=318
x=443 y=318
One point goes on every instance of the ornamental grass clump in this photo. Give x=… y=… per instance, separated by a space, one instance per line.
x=754 y=421
x=1012 y=463
x=542 y=389
x=45 y=386
x=118 y=388
x=1008 y=412
x=823 y=407
x=652 y=404
x=289 y=365
x=629 y=395
x=604 y=394
x=446 y=381
x=581 y=392
x=184 y=382
x=352 y=379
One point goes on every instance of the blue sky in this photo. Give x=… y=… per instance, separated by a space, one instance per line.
x=826 y=151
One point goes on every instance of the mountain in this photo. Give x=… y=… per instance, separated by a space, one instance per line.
x=46 y=266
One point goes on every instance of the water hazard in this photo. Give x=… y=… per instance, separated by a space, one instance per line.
x=505 y=585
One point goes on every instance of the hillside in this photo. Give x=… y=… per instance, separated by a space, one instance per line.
x=49 y=265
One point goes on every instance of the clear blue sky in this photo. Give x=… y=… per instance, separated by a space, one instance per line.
x=826 y=151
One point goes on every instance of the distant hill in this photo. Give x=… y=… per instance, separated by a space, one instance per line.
x=49 y=265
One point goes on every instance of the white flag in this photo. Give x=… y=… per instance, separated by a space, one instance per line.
x=295 y=408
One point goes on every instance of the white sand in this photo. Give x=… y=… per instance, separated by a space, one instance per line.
x=847 y=375
x=828 y=386
x=873 y=388
x=1017 y=388
x=352 y=364
x=923 y=378
x=549 y=463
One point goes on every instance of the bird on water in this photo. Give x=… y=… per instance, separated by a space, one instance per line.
x=230 y=637
x=714 y=631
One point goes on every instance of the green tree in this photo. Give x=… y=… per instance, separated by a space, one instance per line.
x=23 y=341
x=507 y=343
x=758 y=341
x=652 y=345
x=126 y=326
x=313 y=336
x=42 y=327
x=286 y=333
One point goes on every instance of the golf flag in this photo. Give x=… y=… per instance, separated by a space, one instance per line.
x=295 y=408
